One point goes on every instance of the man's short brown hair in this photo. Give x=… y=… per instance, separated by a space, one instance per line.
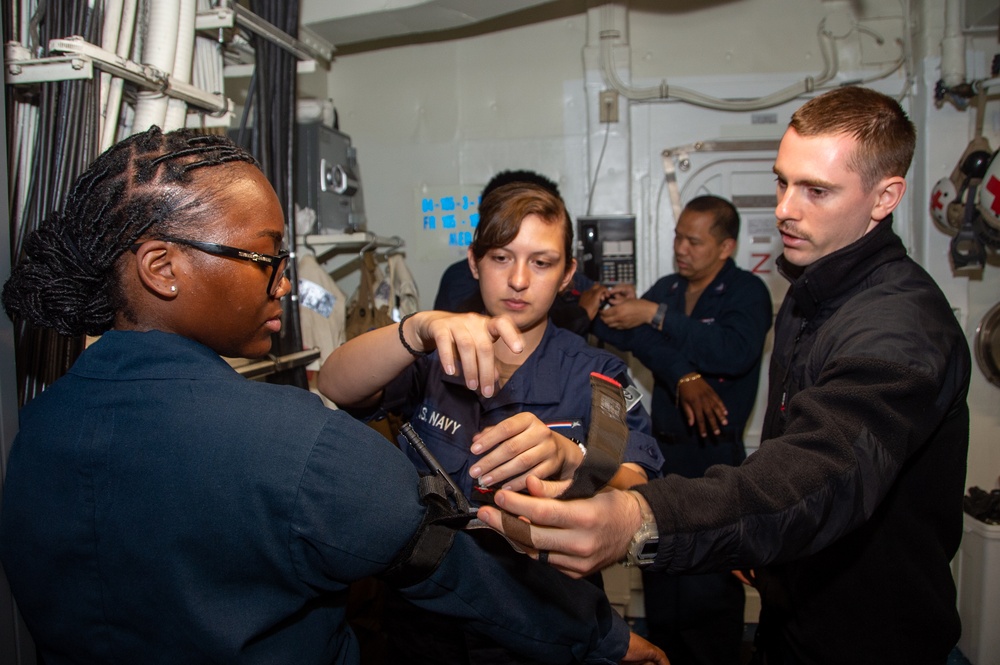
x=885 y=136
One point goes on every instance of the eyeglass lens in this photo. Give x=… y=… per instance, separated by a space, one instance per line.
x=277 y=273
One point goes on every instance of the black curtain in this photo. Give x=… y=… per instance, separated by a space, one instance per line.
x=271 y=138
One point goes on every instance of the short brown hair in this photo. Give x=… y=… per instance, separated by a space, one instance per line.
x=502 y=210
x=885 y=136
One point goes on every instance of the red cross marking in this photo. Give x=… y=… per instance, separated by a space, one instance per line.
x=993 y=187
x=936 y=200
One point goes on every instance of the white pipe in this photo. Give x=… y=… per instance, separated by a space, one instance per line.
x=664 y=91
x=109 y=42
x=208 y=69
x=24 y=20
x=952 y=46
x=158 y=50
x=26 y=121
x=176 y=116
x=109 y=132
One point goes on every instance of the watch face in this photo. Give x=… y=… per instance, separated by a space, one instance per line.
x=648 y=550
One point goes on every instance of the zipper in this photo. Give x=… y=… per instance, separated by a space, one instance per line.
x=791 y=361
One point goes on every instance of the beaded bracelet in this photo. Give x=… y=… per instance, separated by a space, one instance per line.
x=402 y=338
x=684 y=379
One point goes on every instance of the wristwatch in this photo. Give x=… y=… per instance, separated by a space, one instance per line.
x=642 y=548
x=661 y=313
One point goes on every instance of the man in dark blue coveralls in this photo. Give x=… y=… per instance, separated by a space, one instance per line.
x=701 y=333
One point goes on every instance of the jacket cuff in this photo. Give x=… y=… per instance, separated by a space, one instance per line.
x=613 y=647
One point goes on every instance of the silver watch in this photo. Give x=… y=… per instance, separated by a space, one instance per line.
x=642 y=548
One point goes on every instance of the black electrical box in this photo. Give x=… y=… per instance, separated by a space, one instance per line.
x=328 y=179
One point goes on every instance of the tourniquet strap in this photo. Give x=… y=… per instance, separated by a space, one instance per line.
x=433 y=538
x=606 y=438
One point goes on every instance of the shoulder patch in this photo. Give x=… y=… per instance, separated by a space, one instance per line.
x=632 y=396
x=629 y=391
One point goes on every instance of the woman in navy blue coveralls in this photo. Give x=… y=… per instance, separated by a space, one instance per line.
x=529 y=412
x=160 y=508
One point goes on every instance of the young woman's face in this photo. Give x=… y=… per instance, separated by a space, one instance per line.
x=224 y=301
x=523 y=278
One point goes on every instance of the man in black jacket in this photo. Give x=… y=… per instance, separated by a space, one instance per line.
x=848 y=515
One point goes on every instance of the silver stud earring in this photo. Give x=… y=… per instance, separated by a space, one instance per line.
x=173 y=288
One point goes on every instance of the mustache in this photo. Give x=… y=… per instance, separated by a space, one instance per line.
x=790 y=229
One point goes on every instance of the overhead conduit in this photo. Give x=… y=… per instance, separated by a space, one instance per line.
x=663 y=92
x=159 y=50
x=109 y=41
x=176 y=115
x=207 y=73
x=123 y=47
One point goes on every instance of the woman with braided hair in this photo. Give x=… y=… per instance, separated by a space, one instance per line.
x=64 y=285
x=160 y=508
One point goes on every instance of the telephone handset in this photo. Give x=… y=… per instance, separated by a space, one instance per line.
x=588 y=236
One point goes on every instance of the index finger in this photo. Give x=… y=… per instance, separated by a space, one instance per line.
x=548 y=517
x=552 y=525
x=488 y=437
x=466 y=348
x=503 y=329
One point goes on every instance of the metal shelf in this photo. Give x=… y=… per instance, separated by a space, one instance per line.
x=75 y=58
x=80 y=57
x=325 y=246
x=310 y=47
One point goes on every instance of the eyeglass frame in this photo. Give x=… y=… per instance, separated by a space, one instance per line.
x=216 y=249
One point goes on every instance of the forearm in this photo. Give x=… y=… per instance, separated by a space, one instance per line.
x=621 y=339
x=530 y=608
x=825 y=474
x=355 y=373
x=630 y=314
x=628 y=475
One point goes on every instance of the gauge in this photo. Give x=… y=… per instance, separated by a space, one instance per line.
x=988 y=345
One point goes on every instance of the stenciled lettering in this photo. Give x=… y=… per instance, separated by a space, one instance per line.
x=438 y=420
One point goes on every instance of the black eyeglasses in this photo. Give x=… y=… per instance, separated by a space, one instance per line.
x=278 y=262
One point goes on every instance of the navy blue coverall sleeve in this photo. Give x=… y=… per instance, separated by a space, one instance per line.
x=528 y=607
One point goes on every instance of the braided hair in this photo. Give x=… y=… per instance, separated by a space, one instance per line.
x=67 y=278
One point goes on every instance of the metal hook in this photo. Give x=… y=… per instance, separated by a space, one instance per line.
x=368 y=246
x=397 y=246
